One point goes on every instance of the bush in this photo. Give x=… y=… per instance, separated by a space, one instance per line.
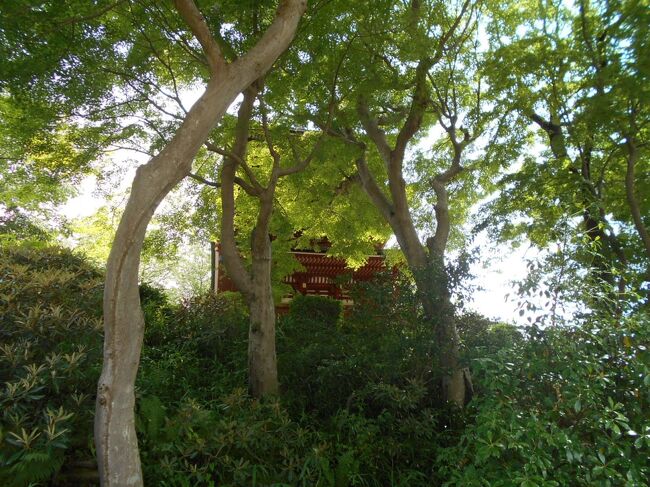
x=50 y=325
x=322 y=311
x=50 y=359
x=566 y=406
x=197 y=349
x=556 y=406
x=326 y=364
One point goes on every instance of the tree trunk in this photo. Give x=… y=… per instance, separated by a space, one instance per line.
x=438 y=310
x=632 y=158
x=115 y=437
x=434 y=296
x=456 y=382
x=262 y=364
x=431 y=281
x=256 y=286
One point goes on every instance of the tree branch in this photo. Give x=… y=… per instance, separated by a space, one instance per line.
x=199 y=27
x=375 y=133
x=267 y=136
x=632 y=158
x=255 y=187
x=233 y=260
x=416 y=112
x=369 y=183
x=285 y=171
x=91 y=16
x=202 y=180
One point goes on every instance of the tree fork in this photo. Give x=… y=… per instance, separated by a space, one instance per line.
x=115 y=436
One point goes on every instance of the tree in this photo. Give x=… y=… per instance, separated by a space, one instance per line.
x=123 y=321
x=262 y=208
x=57 y=110
x=256 y=284
x=407 y=79
x=578 y=74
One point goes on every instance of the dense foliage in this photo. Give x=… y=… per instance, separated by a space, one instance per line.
x=359 y=405
x=50 y=352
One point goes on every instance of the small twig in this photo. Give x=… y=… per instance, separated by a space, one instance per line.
x=202 y=180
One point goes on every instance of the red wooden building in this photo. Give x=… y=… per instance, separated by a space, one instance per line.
x=323 y=275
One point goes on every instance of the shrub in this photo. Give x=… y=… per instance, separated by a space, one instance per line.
x=50 y=359
x=50 y=322
x=567 y=406
x=326 y=364
x=197 y=349
x=322 y=311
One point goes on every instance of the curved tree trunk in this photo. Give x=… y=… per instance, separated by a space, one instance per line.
x=434 y=296
x=456 y=382
x=115 y=437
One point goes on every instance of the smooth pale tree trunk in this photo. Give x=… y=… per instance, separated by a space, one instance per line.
x=262 y=362
x=115 y=437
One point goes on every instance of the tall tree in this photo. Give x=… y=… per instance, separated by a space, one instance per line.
x=262 y=208
x=123 y=321
x=256 y=285
x=578 y=74
x=408 y=78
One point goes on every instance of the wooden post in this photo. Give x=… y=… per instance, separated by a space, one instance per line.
x=214 y=261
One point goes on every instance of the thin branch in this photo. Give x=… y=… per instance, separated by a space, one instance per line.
x=267 y=134
x=447 y=35
x=169 y=69
x=199 y=27
x=281 y=172
x=115 y=147
x=223 y=152
x=180 y=39
x=255 y=187
x=202 y=180
x=376 y=134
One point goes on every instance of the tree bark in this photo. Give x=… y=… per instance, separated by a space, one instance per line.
x=115 y=436
x=256 y=285
x=262 y=362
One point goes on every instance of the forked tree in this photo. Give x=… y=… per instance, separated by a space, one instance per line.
x=115 y=437
x=406 y=80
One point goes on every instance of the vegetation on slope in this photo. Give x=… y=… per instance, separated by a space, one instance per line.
x=359 y=405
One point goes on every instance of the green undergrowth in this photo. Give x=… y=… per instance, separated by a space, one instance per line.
x=359 y=403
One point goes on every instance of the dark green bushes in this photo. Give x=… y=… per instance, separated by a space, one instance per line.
x=327 y=364
x=359 y=404
x=566 y=406
x=50 y=322
x=196 y=349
